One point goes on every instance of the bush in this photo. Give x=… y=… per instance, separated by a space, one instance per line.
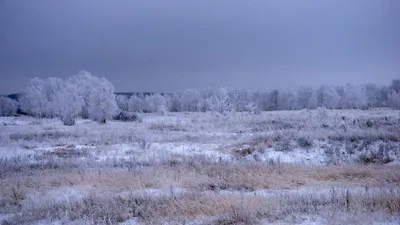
x=284 y=145
x=305 y=142
x=68 y=121
x=374 y=158
x=8 y=107
x=127 y=116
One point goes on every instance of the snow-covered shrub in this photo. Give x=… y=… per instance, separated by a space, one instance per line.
x=143 y=140
x=283 y=141
x=284 y=145
x=8 y=107
x=305 y=142
x=127 y=116
x=374 y=158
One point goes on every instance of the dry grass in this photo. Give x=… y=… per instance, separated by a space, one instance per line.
x=54 y=180
x=167 y=127
x=112 y=197
x=200 y=174
x=227 y=209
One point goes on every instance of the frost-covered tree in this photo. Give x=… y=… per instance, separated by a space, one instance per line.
x=328 y=97
x=313 y=101
x=384 y=95
x=373 y=93
x=304 y=96
x=33 y=100
x=353 y=97
x=38 y=98
x=155 y=103
x=41 y=97
x=395 y=86
x=98 y=96
x=263 y=100
x=320 y=95
x=136 y=104
x=122 y=102
x=203 y=104
x=68 y=103
x=273 y=100
x=8 y=106
x=219 y=101
x=394 y=100
x=101 y=104
x=174 y=102
x=236 y=97
x=249 y=102
x=52 y=87
x=287 y=101
x=84 y=82
x=191 y=100
x=242 y=100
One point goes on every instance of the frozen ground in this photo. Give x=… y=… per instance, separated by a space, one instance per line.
x=303 y=167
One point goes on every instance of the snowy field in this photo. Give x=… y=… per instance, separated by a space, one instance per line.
x=281 y=167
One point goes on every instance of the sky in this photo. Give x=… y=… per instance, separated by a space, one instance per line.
x=164 y=46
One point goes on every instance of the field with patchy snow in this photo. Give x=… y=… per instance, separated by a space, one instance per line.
x=282 y=167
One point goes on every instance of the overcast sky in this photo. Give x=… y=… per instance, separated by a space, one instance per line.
x=160 y=45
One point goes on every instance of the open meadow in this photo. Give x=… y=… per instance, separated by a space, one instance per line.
x=283 y=167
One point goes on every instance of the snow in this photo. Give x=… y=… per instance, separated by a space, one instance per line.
x=213 y=136
x=299 y=220
x=61 y=195
x=208 y=150
x=4 y=217
x=171 y=191
x=308 y=191
x=130 y=222
x=208 y=134
x=312 y=156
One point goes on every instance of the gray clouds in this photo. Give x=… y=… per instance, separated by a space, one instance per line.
x=160 y=45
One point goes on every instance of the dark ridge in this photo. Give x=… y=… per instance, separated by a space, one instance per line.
x=138 y=93
x=14 y=96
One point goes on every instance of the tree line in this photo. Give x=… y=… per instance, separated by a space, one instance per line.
x=87 y=96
